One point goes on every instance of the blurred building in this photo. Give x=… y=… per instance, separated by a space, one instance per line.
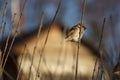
x=58 y=57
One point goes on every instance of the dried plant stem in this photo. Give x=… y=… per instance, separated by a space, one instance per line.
x=101 y=74
x=15 y=34
x=79 y=40
x=63 y=67
x=6 y=44
x=58 y=58
x=101 y=64
x=94 y=68
x=73 y=69
x=98 y=72
x=3 y=30
x=36 y=44
x=49 y=72
x=21 y=62
x=3 y=20
x=60 y=52
x=101 y=36
x=49 y=28
x=4 y=9
x=83 y=11
x=11 y=78
x=77 y=55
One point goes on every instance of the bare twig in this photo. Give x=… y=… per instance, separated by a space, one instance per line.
x=36 y=44
x=3 y=30
x=64 y=60
x=6 y=44
x=77 y=55
x=83 y=11
x=101 y=63
x=79 y=40
x=15 y=34
x=49 y=28
x=21 y=62
x=3 y=10
x=3 y=20
x=10 y=77
x=101 y=36
x=60 y=53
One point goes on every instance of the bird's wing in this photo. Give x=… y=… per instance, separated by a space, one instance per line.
x=71 y=32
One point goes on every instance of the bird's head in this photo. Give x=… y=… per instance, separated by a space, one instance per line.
x=82 y=26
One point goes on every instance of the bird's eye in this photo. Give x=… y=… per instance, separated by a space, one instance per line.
x=84 y=27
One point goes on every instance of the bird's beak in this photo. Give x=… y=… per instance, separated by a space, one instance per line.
x=85 y=28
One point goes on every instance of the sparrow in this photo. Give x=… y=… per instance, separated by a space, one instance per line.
x=75 y=31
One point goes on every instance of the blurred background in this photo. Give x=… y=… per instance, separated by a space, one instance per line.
x=70 y=15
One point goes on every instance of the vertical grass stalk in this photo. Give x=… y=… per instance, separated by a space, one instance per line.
x=6 y=44
x=101 y=36
x=15 y=34
x=3 y=20
x=36 y=44
x=49 y=28
x=21 y=62
x=79 y=40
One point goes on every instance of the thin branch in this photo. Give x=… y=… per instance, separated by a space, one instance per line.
x=15 y=34
x=3 y=20
x=59 y=56
x=79 y=40
x=101 y=74
x=64 y=61
x=36 y=44
x=4 y=9
x=101 y=36
x=10 y=77
x=102 y=33
x=3 y=30
x=6 y=44
x=83 y=11
x=60 y=52
x=98 y=72
x=21 y=62
x=49 y=28
x=77 y=55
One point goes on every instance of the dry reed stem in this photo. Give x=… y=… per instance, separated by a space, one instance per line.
x=77 y=55
x=63 y=67
x=79 y=40
x=101 y=62
x=11 y=78
x=36 y=43
x=3 y=30
x=3 y=20
x=83 y=11
x=4 y=9
x=49 y=72
x=60 y=52
x=6 y=44
x=15 y=34
x=98 y=72
x=101 y=36
x=58 y=59
x=49 y=28
x=21 y=62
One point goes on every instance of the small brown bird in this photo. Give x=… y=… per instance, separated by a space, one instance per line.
x=75 y=31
